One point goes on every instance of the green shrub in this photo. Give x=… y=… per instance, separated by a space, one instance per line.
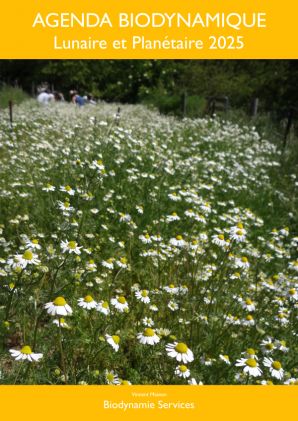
x=9 y=93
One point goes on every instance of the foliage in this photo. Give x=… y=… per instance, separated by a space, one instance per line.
x=8 y=93
x=198 y=216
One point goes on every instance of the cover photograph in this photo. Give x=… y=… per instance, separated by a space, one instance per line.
x=148 y=209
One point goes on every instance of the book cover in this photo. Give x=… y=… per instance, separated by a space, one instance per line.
x=148 y=224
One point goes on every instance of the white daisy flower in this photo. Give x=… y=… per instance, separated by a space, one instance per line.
x=108 y=263
x=219 y=240
x=250 y=365
x=248 y=321
x=172 y=217
x=65 y=207
x=143 y=296
x=282 y=346
x=178 y=241
x=171 y=289
x=58 y=307
x=293 y=294
x=242 y=262
x=48 y=187
x=225 y=359
x=97 y=165
x=174 y=196
x=122 y=263
x=294 y=265
x=70 y=247
x=180 y=351
x=68 y=190
x=33 y=244
x=275 y=368
x=146 y=239
x=205 y=208
x=111 y=377
x=25 y=354
x=120 y=304
x=267 y=346
x=61 y=322
x=91 y=266
x=103 y=307
x=87 y=302
x=25 y=259
x=173 y=306
x=148 y=337
x=147 y=321
x=124 y=217
x=114 y=341
x=182 y=371
x=248 y=305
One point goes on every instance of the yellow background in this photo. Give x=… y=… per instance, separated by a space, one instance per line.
x=80 y=403
x=20 y=40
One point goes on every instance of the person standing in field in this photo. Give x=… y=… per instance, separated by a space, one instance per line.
x=45 y=97
x=77 y=99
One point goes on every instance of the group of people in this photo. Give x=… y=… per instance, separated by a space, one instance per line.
x=46 y=97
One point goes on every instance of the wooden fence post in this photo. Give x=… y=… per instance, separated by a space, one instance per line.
x=254 y=107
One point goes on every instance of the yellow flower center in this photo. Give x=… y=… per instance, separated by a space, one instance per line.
x=182 y=368
x=292 y=291
x=116 y=339
x=99 y=162
x=61 y=320
x=171 y=286
x=251 y=351
x=105 y=304
x=181 y=348
x=123 y=260
x=244 y=259
x=248 y=301
x=110 y=377
x=144 y=293
x=35 y=241
x=67 y=188
x=251 y=362
x=276 y=365
x=121 y=300
x=125 y=383
x=174 y=214
x=149 y=332
x=147 y=236
x=91 y=262
x=239 y=232
x=249 y=317
x=221 y=237
x=66 y=204
x=59 y=302
x=179 y=237
x=26 y=350
x=239 y=225
x=88 y=299
x=283 y=343
x=28 y=255
x=226 y=357
x=195 y=242
x=72 y=245
x=110 y=260
x=269 y=346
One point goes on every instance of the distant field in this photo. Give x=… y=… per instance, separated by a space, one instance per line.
x=144 y=250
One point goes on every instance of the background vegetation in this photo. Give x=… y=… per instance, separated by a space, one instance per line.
x=163 y=83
